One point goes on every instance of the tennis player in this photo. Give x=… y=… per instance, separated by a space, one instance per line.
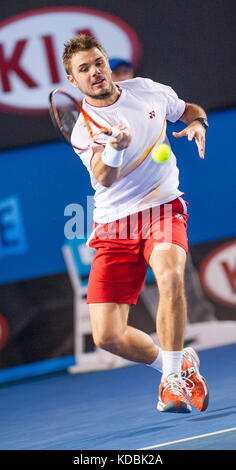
x=140 y=219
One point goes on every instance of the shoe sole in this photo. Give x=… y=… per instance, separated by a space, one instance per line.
x=170 y=407
x=196 y=362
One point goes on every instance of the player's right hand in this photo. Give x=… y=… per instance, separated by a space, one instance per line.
x=122 y=140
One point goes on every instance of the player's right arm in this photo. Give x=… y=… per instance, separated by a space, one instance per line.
x=106 y=174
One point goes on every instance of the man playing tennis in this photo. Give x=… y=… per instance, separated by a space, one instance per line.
x=139 y=219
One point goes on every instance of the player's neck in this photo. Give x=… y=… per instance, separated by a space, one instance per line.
x=105 y=100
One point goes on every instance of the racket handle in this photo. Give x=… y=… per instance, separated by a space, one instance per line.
x=115 y=132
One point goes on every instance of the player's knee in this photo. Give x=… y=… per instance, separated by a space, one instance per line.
x=110 y=341
x=171 y=282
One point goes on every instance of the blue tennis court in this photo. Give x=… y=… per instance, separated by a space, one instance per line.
x=116 y=409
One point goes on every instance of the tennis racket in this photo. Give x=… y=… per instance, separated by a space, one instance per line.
x=66 y=112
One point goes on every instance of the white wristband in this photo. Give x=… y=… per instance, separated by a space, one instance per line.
x=112 y=157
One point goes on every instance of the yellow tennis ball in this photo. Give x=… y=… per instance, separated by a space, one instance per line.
x=161 y=153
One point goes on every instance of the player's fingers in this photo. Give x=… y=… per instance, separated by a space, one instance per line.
x=190 y=134
x=122 y=140
x=200 y=141
x=123 y=136
x=179 y=134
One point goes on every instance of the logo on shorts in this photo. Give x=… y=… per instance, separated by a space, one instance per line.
x=178 y=216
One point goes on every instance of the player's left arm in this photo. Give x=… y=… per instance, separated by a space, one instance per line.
x=195 y=129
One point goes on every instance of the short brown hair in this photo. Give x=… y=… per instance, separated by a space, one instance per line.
x=82 y=42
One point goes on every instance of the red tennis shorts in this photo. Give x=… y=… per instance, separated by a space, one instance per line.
x=123 y=249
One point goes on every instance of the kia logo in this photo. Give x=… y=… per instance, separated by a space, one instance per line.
x=4 y=331
x=218 y=274
x=31 y=47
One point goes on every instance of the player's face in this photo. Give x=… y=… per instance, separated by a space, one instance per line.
x=91 y=73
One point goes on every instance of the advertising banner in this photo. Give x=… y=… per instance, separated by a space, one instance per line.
x=152 y=35
x=216 y=264
x=31 y=47
x=215 y=274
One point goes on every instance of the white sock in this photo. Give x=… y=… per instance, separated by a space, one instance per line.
x=171 y=363
x=157 y=364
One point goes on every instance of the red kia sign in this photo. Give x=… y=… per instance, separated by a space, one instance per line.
x=31 y=46
x=218 y=274
x=4 y=331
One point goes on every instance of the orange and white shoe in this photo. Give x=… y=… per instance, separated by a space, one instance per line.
x=172 y=396
x=195 y=385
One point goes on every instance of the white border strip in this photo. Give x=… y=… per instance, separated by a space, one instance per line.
x=92 y=235
x=184 y=205
x=188 y=439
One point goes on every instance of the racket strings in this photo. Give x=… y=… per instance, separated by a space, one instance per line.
x=68 y=116
x=76 y=126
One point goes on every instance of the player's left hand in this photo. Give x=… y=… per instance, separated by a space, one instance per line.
x=196 y=131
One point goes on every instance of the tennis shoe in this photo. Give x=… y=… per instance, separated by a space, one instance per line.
x=195 y=385
x=172 y=396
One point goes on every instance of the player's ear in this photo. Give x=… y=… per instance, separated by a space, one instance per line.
x=72 y=80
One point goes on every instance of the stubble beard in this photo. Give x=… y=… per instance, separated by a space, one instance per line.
x=106 y=94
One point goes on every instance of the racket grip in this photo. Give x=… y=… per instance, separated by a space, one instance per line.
x=115 y=132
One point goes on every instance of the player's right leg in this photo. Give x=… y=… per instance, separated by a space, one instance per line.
x=116 y=279
x=111 y=332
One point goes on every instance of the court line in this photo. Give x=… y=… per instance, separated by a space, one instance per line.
x=188 y=439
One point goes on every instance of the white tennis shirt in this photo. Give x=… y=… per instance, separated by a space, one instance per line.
x=143 y=107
